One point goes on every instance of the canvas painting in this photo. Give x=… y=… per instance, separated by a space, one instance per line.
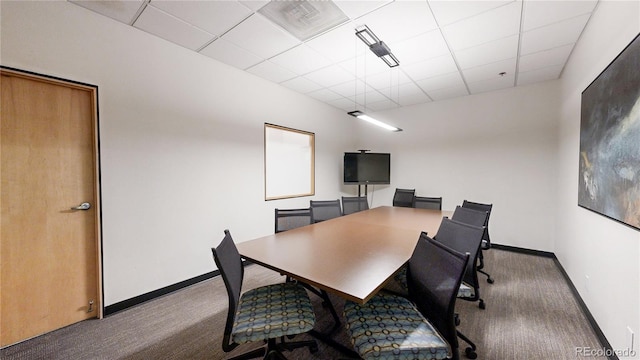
x=609 y=179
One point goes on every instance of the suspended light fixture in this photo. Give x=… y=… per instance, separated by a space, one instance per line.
x=377 y=46
x=362 y=116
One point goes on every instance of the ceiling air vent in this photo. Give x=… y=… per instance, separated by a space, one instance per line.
x=304 y=19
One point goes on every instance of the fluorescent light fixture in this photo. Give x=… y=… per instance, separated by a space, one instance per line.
x=362 y=116
x=377 y=46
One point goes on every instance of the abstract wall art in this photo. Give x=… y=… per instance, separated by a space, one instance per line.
x=609 y=167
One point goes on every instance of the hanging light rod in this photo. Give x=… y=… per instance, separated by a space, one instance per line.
x=362 y=116
x=377 y=46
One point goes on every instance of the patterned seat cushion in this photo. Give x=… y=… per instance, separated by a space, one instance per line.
x=390 y=327
x=273 y=311
x=400 y=278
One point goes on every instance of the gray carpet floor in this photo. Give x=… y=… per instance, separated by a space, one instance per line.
x=530 y=314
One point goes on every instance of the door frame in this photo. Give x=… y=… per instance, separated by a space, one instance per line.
x=93 y=90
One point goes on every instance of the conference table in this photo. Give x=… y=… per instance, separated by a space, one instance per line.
x=352 y=256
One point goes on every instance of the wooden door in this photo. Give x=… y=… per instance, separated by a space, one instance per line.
x=49 y=252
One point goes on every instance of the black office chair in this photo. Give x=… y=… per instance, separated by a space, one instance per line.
x=404 y=197
x=486 y=240
x=287 y=219
x=322 y=210
x=390 y=326
x=464 y=238
x=433 y=203
x=352 y=204
x=263 y=314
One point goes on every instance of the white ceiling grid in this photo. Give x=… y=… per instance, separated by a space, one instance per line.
x=446 y=48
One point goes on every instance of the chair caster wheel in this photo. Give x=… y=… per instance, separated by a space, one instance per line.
x=490 y=280
x=482 y=306
x=470 y=353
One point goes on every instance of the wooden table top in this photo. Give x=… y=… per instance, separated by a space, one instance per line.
x=352 y=256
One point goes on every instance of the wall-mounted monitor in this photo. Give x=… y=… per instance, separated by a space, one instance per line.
x=367 y=168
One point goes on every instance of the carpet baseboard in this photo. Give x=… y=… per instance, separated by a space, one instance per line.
x=520 y=250
x=125 y=304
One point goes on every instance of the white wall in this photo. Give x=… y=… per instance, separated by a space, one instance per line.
x=588 y=244
x=181 y=140
x=496 y=147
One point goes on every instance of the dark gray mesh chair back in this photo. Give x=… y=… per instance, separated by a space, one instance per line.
x=470 y=216
x=322 y=210
x=480 y=207
x=287 y=219
x=230 y=266
x=404 y=197
x=352 y=204
x=434 y=274
x=465 y=239
x=434 y=203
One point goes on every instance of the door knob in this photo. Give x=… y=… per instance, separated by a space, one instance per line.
x=83 y=206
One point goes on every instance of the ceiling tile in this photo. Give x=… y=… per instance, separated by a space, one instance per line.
x=430 y=68
x=411 y=94
x=390 y=78
x=421 y=47
x=541 y=13
x=121 y=10
x=497 y=83
x=366 y=65
x=448 y=93
x=534 y=76
x=445 y=81
x=486 y=53
x=551 y=36
x=357 y=8
x=301 y=60
x=230 y=54
x=159 y=23
x=338 y=44
x=447 y=12
x=215 y=17
x=324 y=95
x=301 y=85
x=555 y=56
x=271 y=41
x=491 y=25
x=382 y=105
x=254 y=5
x=399 y=21
x=329 y=76
x=370 y=97
x=343 y=104
x=350 y=88
x=490 y=71
x=271 y=72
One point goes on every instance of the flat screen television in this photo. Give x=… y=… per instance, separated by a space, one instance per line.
x=367 y=168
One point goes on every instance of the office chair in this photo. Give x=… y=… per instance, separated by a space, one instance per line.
x=434 y=203
x=465 y=238
x=352 y=204
x=486 y=240
x=421 y=326
x=263 y=314
x=322 y=210
x=404 y=197
x=287 y=219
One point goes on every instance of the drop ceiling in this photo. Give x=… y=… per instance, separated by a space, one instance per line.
x=446 y=49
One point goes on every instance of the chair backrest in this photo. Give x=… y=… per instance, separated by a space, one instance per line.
x=470 y=216
x=463 y=238
x=422 y=202
x=434 y=274
x=480 y=207
x=404 y=197
x=352 y=204
x=287 y=219
x=230 y=266
x=322 y=210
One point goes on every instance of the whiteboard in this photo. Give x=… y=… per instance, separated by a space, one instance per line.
x=289 y=164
